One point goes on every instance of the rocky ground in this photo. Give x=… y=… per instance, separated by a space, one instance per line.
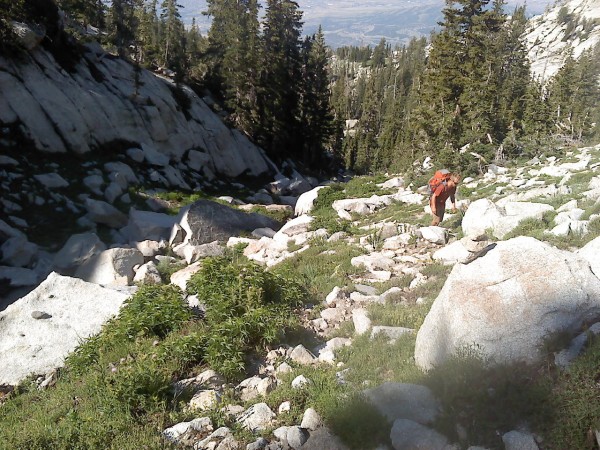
x=522 y=252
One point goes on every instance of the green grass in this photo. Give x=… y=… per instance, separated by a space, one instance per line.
x=395 y=315
x=115 y=390
x=342 y=407
x=359 y=187
x=320 y=272
x=575 y=402
x=488 y=401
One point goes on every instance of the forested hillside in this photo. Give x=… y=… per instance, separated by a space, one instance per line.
x=469 y=85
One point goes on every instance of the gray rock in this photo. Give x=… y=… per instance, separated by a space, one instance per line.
x=8 y=161
x=435 y=235
x=301 y=355
x=111 y=267
x=123 y=169
x=409 y=435
x=300 y=381
x=145 y=225
x=102 y=212
x=192 y=253
x=181 y=277
x=147 y=274
x=112 y=192
x=136 y=154
x=257 y=418
x=306 y=201
x=18 y=252
x=77 y=250
x=259 y=444
x=311 y=420
x=296 y=437
x=590 y=252
x=18 y=276
x=517 y=440
x=323 y=439
x=563 y=358
x=51 y=180
x=404 y=401
x=360 y=318
x=6 y=231
x=205 y=221
x=483 y=214
x=94 y=183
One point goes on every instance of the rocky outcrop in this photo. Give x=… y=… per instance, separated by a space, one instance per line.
x=569 y=27
x=99 y=102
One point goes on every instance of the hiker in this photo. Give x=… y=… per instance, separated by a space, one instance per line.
x=442 y=185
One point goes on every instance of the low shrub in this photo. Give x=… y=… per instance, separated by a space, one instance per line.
x=246 y=307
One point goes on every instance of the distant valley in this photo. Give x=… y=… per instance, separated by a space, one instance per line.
x=350 y=22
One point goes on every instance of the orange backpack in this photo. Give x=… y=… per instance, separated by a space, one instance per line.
x=439 y=177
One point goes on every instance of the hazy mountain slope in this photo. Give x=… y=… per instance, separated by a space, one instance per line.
x=569 y=26
x=350 y=22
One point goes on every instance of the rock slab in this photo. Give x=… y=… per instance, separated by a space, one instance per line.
x=32 y=346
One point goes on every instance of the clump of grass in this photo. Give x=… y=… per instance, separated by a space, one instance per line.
x=488 y=400
x=167 y=268
x=393 y=315
x=369 y=360
x=320 y=272
x=278 y=215
x=115 y=390
x=342 y=407
x=437 y=273
x=246 y=307
x=575 y=402
x=533 y=227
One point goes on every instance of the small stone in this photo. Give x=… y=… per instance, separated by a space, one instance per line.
x=39 y=315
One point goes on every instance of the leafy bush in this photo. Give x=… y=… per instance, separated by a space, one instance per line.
x=153 y=311
x=246 y=307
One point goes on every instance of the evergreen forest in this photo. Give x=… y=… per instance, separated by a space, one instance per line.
x=465 y=96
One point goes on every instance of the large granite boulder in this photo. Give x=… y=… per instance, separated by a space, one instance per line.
x=112 y=267
x=77 y=250
x=40 y=329
x=507 y=302
x=206 y=221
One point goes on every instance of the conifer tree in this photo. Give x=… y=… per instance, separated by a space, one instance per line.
x=316 y=119
x=233 y=52
x=88 y=12
x=123 y=25
x=279 y=96
x=173 y=44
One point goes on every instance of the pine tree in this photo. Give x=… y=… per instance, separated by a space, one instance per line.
x=316 y=119
x=173 y=44
x=574 y=94
x=88 y=12
x=279 y=95
x=123 y=25
x=233 y=53
x=149 y=34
